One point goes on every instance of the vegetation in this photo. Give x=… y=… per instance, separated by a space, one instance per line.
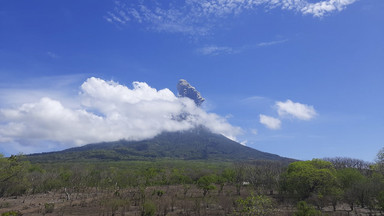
x=303 y=209
x=259 y=205
x=195 y=187
x=11 y=213
x=198 y=144
x=304 y=179
x=13 y=176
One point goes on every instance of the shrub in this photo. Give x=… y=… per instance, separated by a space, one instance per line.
x=258 y=205
x=12 y=213
x=159 y=193
x=49 y=207
x=303 y=209
x=149 y=209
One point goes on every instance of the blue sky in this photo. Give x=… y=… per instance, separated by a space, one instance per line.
x=302 y=79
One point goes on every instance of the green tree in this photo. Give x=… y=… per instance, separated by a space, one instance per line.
x=206 y=183
x=380 y=161
x=305 y=178
x=372 y=191
x=352 y=182
x=149 y=209
x=335 y=196
x=13 y=174
x=221 y=182
x=380 y=201
x=178 y=176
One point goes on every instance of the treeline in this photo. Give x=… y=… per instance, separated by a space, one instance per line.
x=20 y=176
x=318 y=182
x=321 y=183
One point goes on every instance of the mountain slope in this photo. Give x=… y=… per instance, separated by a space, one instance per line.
x=197 y=144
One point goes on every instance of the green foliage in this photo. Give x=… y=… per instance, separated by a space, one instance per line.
x=303 y=209
x=13 y=175
x=258 y=205
x=149 y=209
x=159 y=193
x=305 y=178
x=206 y=183
x=353 y=183
x=178 y=176
x=335 y=196
x=12 y=213
x=380 y=201
x=380 y=161
x=349 y=177
x=229 y=175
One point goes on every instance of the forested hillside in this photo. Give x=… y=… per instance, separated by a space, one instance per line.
x=196 y=144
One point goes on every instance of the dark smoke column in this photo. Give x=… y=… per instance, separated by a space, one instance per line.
x=186 y=90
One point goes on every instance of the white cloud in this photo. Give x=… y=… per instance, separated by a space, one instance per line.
x=244 y=143
x=270 y=122
x=52 y=55
x=271 y=43
x=254 y=131
x=108 y=111
x=297 y=110
x=215 y=50
x=33 y=89
x=197 y=17
x=321 y=8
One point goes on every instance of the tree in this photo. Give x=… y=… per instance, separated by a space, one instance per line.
x=206 y=183
x=264 y=174
x=380 y=201
x=13 y=175
x=380 y=161
x=239 y=177
x=35 y=178
x=305 y=178
x=345 y=162
x=351 y=181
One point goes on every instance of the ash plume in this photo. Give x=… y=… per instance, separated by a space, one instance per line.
x=186 y=90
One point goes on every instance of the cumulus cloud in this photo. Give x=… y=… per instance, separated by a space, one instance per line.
x=107 y=111
x=270 y=122
x=296 y=110
x=197 y=17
